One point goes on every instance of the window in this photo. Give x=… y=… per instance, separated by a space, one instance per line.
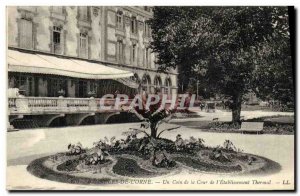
x=83 y=13
x=57 y=9
x=168 y=85
x=93 y=87
x=25 y=33
x=157 y=83
x=120 y=24
x=135 y=78
x=147 y=30
x=133 y=25
x=21 y=82
x=83 y=45
x=24 y=83
x=57 y=46
x=57 y=87
x=120 y=51
x=133 y=53
x=81 y=88
x=146 y=83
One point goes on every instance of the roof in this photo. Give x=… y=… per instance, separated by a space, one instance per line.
x=71 y=67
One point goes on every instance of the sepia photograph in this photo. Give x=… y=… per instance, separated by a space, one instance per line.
x=150 y=98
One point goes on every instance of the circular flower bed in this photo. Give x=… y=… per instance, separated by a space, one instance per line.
x=146 y=157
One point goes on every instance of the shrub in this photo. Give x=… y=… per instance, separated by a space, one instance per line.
x=105 y=143
x=223 y=126
x=96 y=156
x=188 y=146
x=218 y=155
x=228 y=145
x=279 y=129
x=161 y=159
x=75 y=149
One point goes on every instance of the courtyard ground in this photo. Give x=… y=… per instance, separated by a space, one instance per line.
x=26 y=145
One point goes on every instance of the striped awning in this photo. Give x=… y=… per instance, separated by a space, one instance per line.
x=47 y=64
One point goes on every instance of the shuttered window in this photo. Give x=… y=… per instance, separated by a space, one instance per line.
x=26 y=39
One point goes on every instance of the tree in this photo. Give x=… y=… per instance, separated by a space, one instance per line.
x=222 y=45
x=277 y=82
x=153 y=115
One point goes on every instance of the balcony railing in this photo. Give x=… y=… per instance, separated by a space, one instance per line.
x=50 y=105
x=59 y=105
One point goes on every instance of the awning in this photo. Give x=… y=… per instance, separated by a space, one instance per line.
x=128 y=82
x=47 y=64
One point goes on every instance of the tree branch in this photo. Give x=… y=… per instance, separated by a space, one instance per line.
x=167 y=130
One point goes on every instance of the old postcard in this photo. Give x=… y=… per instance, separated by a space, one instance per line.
x=150 y=98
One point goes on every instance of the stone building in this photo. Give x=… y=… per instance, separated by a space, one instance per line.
x=78 y=52
x=127 y=36
x=114 y=36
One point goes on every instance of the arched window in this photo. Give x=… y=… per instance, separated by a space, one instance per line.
x=157 y=82
x=146 y=83
x=168 y=85
x=135 y=78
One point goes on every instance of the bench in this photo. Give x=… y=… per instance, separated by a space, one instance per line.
x=252 y=127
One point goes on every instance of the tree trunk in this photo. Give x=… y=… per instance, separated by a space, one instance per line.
x=153 y=130
x=236 y=109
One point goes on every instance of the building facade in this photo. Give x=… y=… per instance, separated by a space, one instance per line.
x=79 y=52
x=115 y=36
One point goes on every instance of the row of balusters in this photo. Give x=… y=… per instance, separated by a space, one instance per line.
x=48 y=102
